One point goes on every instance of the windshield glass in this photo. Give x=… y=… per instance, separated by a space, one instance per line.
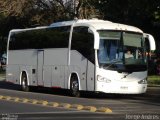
x=109 y=47
x=133 y=48
x=120 y=48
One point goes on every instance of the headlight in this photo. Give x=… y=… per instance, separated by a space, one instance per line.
x=144 y=81
x=103 y=79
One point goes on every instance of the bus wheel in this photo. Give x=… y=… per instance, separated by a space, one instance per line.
x=74 y=86
x=24 y=84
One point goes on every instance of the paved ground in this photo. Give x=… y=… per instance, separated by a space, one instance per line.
x=131 y=107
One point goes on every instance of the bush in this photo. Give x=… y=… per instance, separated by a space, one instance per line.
x=154 y=80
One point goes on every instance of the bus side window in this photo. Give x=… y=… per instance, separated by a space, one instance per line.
x=83 y=42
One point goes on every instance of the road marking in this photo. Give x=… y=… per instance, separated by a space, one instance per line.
x=33 y=101
x=90 y=108
x=65 y=105
x=77 y=106
x=104 y=109
x=55 y=104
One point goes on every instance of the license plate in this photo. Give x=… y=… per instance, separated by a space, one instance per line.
x=124 y=88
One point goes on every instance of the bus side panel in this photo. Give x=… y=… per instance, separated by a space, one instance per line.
x=67 y=76
x=90 y=76
x=12 y=74
x=22 y=60
x=33 y=80
x=47 y=76
x=78 y=63
x=22 y=57
x=57 y=60
x=58 y=76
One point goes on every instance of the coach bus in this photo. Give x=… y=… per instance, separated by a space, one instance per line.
x=80 y=55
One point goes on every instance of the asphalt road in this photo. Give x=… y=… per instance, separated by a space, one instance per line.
x=131 y=107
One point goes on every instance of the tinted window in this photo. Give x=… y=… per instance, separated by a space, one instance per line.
x=83 y=42
x=42 y=38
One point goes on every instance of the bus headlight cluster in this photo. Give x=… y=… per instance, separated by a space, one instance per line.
x=144 y=81
x=103 y=79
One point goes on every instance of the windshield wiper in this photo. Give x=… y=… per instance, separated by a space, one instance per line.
x=113 y=62
x=126 y=75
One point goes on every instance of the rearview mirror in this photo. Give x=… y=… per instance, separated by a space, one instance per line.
x=151 y=39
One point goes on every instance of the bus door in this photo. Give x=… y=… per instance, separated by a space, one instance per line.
x=40 y=62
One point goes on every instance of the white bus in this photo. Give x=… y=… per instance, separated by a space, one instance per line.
x=80 y=55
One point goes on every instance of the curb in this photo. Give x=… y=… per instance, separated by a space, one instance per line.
x=57 y=105
x=77 y=106
x=90 y=108
x=105 y=110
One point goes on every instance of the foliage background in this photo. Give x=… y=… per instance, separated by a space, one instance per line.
x=144 y=14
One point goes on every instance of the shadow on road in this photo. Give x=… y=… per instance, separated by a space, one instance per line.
x=153 y=93
x=10 y=86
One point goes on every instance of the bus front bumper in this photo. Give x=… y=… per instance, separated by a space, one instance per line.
x=121 y=88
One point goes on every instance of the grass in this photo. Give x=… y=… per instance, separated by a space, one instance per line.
x=2 y=72
x=154 y=80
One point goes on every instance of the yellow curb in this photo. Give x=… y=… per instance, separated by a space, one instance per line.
x=103 y=109
x=6 y=97
x=76 y=106
x=90 y=108
x=15 y=99
x=42 y=102
x=33 y=101
x=65 y=105
x=45 y=103
x=24 y=100
x=53 y=104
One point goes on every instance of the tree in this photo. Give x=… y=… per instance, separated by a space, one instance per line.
x=44 y=11
x=144 y=14
x=30 y=13
x=15 y=7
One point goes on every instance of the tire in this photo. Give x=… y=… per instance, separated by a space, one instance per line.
x=74 y=86
x=24 y=83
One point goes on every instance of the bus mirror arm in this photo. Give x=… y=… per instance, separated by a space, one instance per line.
x=151 y=41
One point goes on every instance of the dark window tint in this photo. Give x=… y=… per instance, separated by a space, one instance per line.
x=83 y=42
x=41 y=38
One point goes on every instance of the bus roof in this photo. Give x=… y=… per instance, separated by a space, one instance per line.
x=98 y=25
x=95 y=23
x=27 y=29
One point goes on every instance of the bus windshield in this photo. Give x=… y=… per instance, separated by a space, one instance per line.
x=121 y=48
